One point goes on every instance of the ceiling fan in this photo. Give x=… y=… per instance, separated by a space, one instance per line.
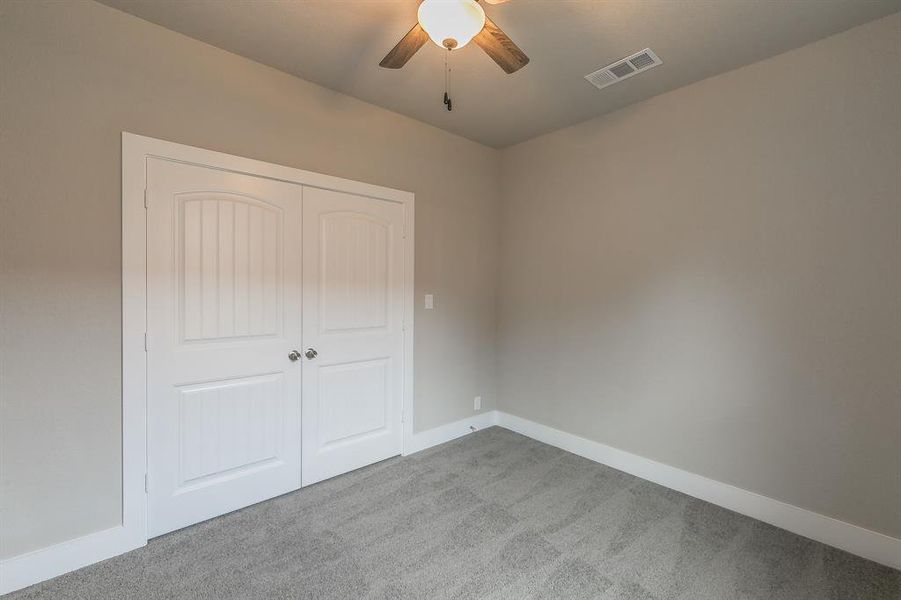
x=451 y=24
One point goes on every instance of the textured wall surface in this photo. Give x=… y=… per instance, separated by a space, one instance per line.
x=73 y=75
x=711 y=278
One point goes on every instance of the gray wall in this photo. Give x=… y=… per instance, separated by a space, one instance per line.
x=712 y=278
x=73 y=75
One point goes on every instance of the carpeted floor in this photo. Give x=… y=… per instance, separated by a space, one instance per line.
x=491 y=515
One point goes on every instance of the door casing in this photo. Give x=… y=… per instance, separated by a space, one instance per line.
x=136 y=149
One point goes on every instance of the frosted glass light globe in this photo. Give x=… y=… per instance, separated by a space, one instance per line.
x=451 y=23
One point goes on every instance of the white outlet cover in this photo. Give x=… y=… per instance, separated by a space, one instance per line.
x=477 y=403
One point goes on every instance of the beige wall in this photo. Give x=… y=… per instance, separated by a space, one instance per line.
x=73 y=75
x=712 y=278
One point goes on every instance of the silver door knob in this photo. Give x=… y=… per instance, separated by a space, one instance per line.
x=294 y=355
x=311 y=353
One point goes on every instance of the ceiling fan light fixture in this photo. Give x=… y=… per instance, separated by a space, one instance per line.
x=451 y=24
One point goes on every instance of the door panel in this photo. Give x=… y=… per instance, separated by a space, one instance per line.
x=223 y=313
x=230 y=276
x=353 y=318
x=227 y=426
x=354 y=400
x=354 y=278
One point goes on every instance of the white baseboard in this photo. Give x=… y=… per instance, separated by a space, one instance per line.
x=451 y=431
x=46 y=563
x=839 y=534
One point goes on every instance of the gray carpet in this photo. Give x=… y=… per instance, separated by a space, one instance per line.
x=492 y=515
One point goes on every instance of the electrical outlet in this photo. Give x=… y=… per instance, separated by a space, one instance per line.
x=477 y=403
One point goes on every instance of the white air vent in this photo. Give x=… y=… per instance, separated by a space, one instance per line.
x=623 y=69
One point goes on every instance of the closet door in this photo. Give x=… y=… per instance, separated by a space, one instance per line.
x=353 y=281
x=223 y=313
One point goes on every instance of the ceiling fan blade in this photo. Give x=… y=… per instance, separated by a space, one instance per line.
x=500 y=48
x=405 y=48
x=496 y=1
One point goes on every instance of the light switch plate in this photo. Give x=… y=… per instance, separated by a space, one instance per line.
x=477 y=403
x=429 y=301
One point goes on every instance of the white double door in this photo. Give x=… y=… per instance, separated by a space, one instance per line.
x=275 y=338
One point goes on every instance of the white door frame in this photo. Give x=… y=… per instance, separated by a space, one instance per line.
x=136 y=149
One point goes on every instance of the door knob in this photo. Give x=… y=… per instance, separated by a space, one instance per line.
x=294 y=355
x=311 y=353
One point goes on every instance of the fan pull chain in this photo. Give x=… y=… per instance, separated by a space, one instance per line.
x=447 y=99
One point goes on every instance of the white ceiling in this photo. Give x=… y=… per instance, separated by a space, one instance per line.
x=339 y=43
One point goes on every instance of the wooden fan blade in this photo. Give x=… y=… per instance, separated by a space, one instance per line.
x=500 y=48
x=405 y=48
x=496 y=1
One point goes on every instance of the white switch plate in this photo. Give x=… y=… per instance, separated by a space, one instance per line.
x=477 y=403
x=429 y=301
